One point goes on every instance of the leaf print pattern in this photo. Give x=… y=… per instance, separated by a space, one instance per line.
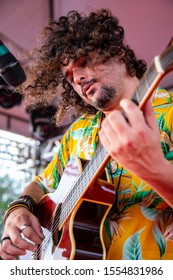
x=160 y=93
x=132 y=247
x=78 y=134
x=139 y=196
x=151 y=199
x=166 y=136
x=139 y=187
x=165 y=223
x=167 y=144
x=149 y=213
x=159 y=239
x=88 y=150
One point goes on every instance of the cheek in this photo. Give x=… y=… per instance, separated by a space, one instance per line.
x=77 y=89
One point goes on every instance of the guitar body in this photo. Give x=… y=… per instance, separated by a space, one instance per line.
x=80 y=236
x=87 y=230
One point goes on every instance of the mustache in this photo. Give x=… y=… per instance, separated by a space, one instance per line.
x=87 y=82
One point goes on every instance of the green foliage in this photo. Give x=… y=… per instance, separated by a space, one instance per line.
x=132 y=247
x=9 y=190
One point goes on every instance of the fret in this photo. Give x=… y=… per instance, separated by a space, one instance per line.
x=145 y=84
x=166 y=58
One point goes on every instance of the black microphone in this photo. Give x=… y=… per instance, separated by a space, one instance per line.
x=10 y=69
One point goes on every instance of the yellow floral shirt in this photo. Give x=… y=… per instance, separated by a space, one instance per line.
x=142 y=227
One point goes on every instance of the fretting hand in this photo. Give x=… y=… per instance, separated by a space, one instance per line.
x=134 y=144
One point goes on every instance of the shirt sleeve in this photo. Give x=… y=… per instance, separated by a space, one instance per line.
x=80 y=141
x=50 y=177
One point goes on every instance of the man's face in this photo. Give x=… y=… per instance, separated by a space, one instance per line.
x=101 y=85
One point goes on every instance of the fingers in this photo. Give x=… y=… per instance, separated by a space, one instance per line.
x=28 y=233
x=117 y=126
x=8 y=250
x=22 y=232
x=134 y=115
x=120 y=134
x=133 y=119
x=32 y=231
x=137 y=116
x=149 y=115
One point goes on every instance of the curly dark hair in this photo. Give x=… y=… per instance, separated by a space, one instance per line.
x=69 y=38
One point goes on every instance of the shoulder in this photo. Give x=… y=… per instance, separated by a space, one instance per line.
x=84 y=121
x=81 y=138
x=82 y=128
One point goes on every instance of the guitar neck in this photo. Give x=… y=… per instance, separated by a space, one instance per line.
x=160 y=66
x=99 y=160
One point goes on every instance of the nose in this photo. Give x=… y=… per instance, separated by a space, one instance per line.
x=79 y=75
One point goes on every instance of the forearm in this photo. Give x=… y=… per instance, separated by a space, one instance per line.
x=28 y=199
x=34 y=190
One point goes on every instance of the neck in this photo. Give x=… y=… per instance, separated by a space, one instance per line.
x=130 y=87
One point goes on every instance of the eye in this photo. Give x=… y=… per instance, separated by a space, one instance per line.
x=83 y=61
x=69 y=77
x=71 y=80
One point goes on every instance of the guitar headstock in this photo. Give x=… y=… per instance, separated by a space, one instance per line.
x=162 y=64
x=170 y=42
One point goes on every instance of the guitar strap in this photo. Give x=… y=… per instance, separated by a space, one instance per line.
x=114 y=213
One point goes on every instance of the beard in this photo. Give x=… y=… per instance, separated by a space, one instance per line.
x=106 y=96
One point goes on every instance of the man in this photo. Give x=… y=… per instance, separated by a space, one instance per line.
x=99 y=74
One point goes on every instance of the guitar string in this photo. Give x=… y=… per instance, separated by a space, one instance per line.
x=100 y=153
x=49 y=234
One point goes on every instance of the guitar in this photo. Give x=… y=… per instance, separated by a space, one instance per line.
x=73 y=216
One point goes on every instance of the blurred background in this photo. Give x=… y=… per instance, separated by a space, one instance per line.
x=29 y=140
